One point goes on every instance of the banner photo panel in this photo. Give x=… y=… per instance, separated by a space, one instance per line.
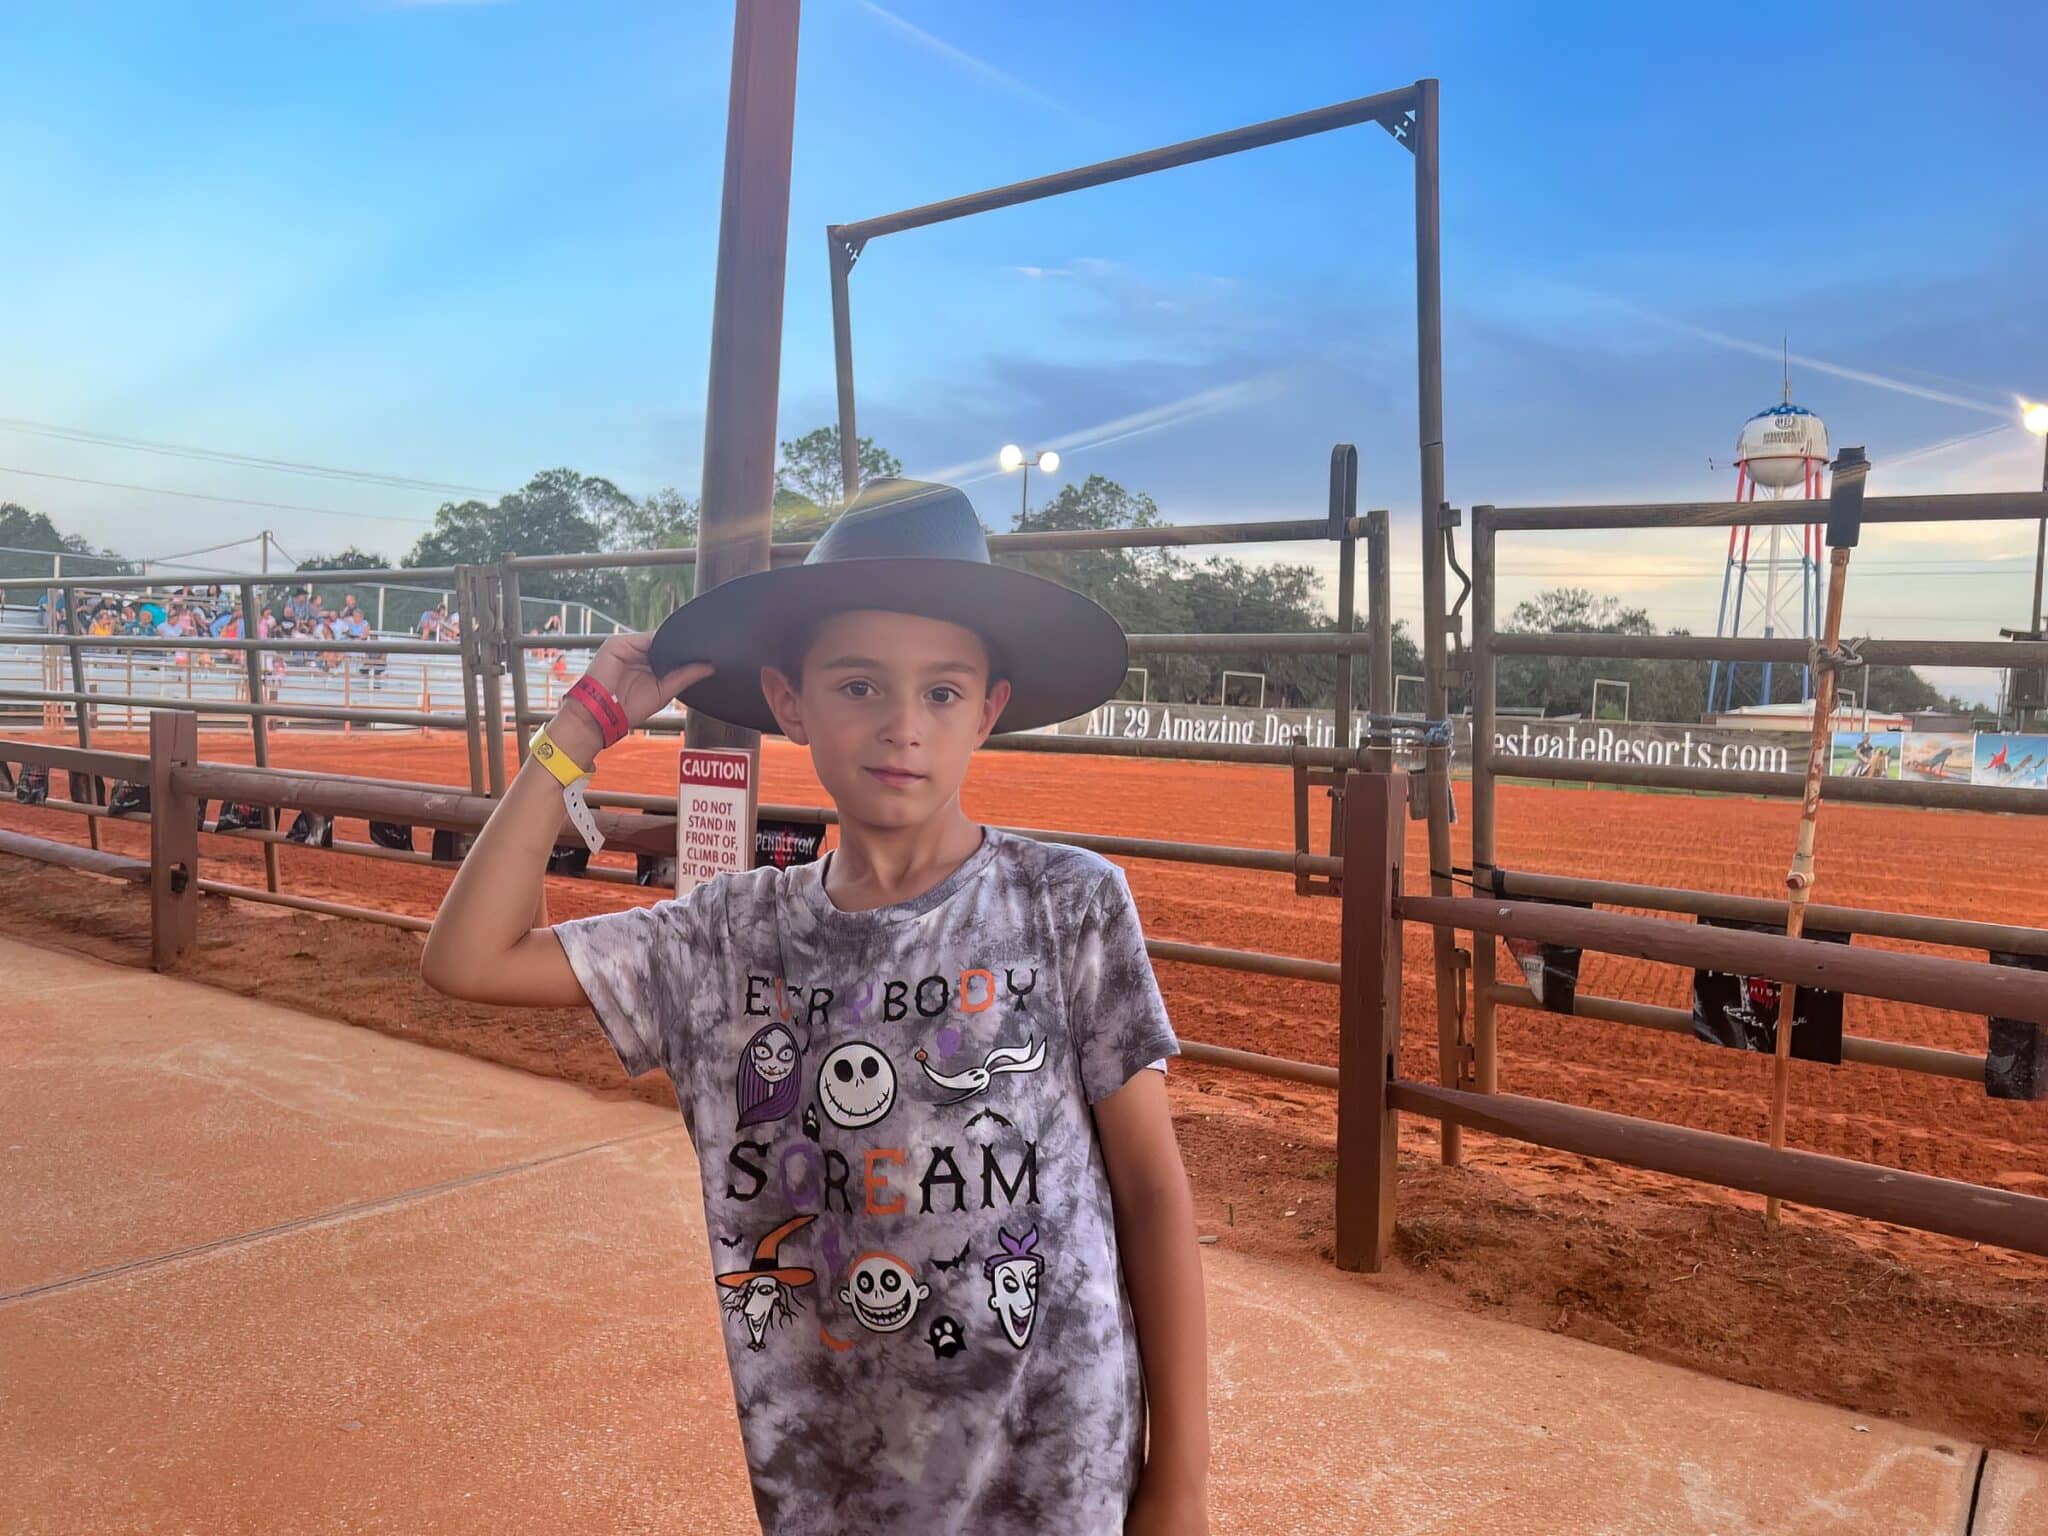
x=1742 y=1012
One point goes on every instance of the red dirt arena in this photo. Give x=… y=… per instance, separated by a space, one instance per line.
x=1880 y=1319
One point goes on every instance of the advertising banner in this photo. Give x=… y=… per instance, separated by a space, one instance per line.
x=2009 y=760
x=1939 y=757
x=783 y=843
x=2016 y=1062
x=1742 y=1012
x=1552 y=970
x=1868 y=755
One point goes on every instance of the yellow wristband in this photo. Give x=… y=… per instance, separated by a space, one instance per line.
x=555 y=760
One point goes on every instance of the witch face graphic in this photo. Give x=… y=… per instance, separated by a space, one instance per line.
x=767 y=1083
x=1013 y=1284
x=763 y=1295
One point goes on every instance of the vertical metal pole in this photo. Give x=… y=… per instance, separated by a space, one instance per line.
x=173 y=839
x=515 y=652
x=381 y=589
x=486 y=593
x=259 y=723
x=842 y=257
x=77 y=655
x=746 y=320
x=1486 y=1062
x=1369 y=1019
x=1429 y=380
x=1379 y=612
x=472 y=710
x=1344 y=529
x=2040 y=545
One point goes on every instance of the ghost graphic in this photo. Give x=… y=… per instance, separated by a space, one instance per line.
x=763 y=1295
x=1001 y=1058
x=883 y=1292
x=767 y=1083
x=856 y=1085
x=1013 y=1272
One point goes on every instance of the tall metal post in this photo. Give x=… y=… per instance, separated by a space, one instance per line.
x=1485 y=946
x=1344 y=529
x=843 y=254
x=746 y=320
x=1369 y=1018
x=259 y=723
x=2040 y=545
x=1429 y=381
x=1379 y=613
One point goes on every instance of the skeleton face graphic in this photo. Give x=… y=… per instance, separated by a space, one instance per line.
x=774 y=1054
x=883 y=1293
x=856 y=1085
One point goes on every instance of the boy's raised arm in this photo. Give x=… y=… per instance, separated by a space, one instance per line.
x=484 y=946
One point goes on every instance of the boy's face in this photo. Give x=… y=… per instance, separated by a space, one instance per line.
x=892 y=707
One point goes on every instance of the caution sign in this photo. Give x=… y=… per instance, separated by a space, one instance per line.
x=714 y=815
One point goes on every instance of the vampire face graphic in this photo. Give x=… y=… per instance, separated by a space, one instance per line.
x=856 y=1085
x=767 y=1083
x=1002 y=1058
x=763 y=1295
x=883 y=1293
x=1013 y=1273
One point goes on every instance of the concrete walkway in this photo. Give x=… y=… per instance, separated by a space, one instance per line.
x=261 y=1272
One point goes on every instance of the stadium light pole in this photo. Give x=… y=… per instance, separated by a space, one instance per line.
x=1012 y=457
x=2034 y=417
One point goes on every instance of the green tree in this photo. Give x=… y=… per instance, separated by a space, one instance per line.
x=666 y=520
x=28 y=540
x=1159 y=591
x=810 y=469
x=557 y=512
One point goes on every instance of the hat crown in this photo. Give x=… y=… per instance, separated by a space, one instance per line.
x=904 y=520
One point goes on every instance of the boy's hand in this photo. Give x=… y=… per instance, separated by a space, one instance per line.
x=621 y=665
x=1167 y=1509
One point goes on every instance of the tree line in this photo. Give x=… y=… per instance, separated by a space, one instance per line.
x=1155 y=591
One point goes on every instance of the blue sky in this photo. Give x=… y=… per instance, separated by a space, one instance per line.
x=459 y=243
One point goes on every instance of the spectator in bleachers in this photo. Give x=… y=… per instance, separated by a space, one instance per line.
x=299 y=608
x=434 y=623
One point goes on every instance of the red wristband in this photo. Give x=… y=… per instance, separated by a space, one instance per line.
x=603 y=707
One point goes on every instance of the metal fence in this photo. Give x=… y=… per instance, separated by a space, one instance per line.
x=1369 y=801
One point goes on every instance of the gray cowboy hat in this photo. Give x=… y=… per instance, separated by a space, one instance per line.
x=901 y=546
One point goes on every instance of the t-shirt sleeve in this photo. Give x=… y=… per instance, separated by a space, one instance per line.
x=648 y=972
x=1114 y=1010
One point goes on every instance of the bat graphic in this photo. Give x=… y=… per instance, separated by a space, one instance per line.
x=1001 y=1058
x=989 y=1114
x=730 y=1242
x=956 y=1261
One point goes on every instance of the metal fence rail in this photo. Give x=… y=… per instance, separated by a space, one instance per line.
x=1475 y=1064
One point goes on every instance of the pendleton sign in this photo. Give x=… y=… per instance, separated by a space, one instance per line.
x=1568 y=741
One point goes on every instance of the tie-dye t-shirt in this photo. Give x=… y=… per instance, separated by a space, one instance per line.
x=910 y=1224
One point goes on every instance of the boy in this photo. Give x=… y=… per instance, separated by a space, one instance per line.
x=917 y=1074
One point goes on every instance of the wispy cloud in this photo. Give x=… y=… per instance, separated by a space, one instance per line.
x=1158 y=418
x=1802 y=360
x=980 y=68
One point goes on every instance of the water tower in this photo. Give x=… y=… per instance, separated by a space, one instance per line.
x=1771 y=586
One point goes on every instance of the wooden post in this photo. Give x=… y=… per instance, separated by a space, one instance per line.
x=173 y=838
x=1369 y=1018
x=1844 y=526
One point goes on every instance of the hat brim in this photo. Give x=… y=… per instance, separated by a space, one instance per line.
x=1062 y=653
x=733 y=1280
